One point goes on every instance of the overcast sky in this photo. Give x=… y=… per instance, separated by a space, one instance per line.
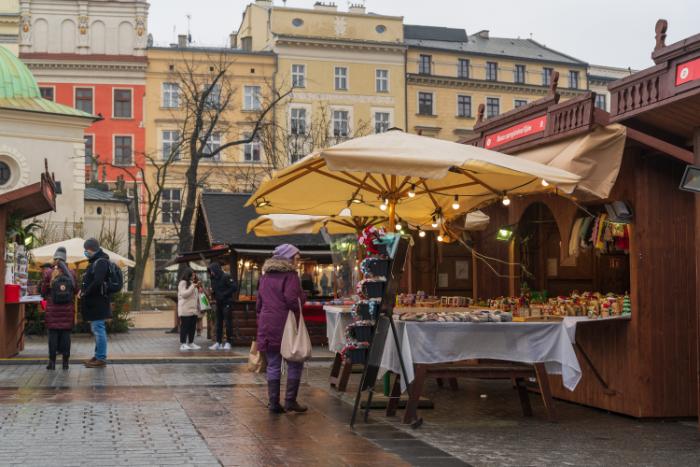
x=605 y=32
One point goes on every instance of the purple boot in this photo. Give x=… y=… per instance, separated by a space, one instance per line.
x=290 y=400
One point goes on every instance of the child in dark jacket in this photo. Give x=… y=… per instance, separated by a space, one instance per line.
x=59 y=288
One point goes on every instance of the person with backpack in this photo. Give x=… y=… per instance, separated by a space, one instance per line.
x=59 y=287
x=224 y=288
x=95 y=299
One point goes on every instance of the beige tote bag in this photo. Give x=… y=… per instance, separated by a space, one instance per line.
x=296 y=343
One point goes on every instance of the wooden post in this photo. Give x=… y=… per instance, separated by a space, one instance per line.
x=511 y=267
x=696 y=146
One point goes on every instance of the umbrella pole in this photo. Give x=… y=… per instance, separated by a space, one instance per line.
x=392 y=213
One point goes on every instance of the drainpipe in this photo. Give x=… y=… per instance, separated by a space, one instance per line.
x=405 y=88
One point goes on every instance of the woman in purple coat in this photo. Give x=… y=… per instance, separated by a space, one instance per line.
x=279 y=291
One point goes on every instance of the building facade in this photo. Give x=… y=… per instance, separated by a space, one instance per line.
x=90 y=55
x=449 y=74
x=172 y=68
x=599 y=77
x=107 y=219
x=344 y=70
x=9 y=25
x=32 y=131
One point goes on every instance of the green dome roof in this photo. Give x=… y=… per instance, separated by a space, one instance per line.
x=19 y=90
x=16 y=81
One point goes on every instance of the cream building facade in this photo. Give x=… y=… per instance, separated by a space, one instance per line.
x=449 y=74
x=345 y=70
x=599 y=77
x=248 y=73
x=9 y=25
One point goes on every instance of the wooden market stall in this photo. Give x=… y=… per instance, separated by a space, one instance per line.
x=23 y=203
x=664 y=100
x=220 y=235
x=645 y=365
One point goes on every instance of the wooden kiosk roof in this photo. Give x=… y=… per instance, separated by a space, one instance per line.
x=663 y=99
x=31 y=200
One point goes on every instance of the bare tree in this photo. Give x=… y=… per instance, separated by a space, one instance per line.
x=207 y=98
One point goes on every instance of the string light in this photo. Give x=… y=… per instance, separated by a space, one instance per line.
x=434 y=223
x=399 y=226
x=455 y=204
x=383 y=207
x=412 y=191
x=261 y=202
x=356 y=199
x=545 y=182
x=440 y=238
x=505 y=200
x=421 y=233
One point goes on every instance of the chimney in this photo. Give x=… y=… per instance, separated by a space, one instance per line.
x=330 y=6
x=233 y=39
x=182 y=41
x=264 y=3
x=357 y=8
x=484 y=33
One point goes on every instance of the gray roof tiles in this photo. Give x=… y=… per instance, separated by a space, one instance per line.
x=94 y=194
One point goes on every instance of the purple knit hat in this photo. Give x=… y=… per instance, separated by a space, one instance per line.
x=286 y=251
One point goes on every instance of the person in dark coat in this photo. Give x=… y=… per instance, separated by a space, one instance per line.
x=279 y=291
x=59 y=316
x=224 y=288
x=96 y=306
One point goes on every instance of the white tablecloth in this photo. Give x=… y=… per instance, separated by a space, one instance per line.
x=438 y=342
x=337 y=319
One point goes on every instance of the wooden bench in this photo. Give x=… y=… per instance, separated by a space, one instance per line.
x=516 y=372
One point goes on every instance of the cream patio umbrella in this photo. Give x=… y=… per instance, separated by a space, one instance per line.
x=75 y=254
x=418 y=179
x=270 y=225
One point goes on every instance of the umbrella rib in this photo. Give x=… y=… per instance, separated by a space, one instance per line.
x=450 y=187
x=340 y=179
x=363 y=182
x=288 y=181
x=430 y=194
x=386 y=182
x=403 y=183
x=473 y=178
x=315 y=164
x=376 y=182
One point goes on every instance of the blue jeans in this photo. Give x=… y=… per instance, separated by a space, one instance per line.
x=100 y=332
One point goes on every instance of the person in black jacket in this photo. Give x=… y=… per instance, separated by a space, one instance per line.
x=224 y=288
x=95 y=300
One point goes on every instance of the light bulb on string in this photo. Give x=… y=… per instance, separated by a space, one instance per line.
x=440 y=238
x=383 y=207
x=399 y=226
x=455 y=204
x=545 y=182
x=421 y=232
x=412 y=191
x=435 y=223
x=505 y=200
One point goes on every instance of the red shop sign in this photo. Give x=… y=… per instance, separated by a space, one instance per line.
x=521 y=130
x=688 y=71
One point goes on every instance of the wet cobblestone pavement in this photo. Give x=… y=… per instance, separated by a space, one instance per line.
x=214 y=414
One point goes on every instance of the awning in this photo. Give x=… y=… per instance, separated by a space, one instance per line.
x=595 y=156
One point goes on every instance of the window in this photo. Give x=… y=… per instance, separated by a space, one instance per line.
x=247 y=43
x=89 y=149
x=251 y=151
x=463 y=68
x=425 y=103
x=212 y=146
x=600 y=101
x=573 y=79
x=298 y=76
x=171 y=95
x=47 y=92
x=171 y=145
x=424 y=64
x=381 y=29
x=382 y=77
x=251 y=98
x=5 y=173
x=122 y=103
x=170 y=205
x=298 y=121
x=123 y=154
x=341 y=78
x=213 y=99
x=164 y=253
x=464 y=106
x=297 y=22
x=83 y=99
x=341 y=123
x=382 y=120
x=492 y=71
x=493 y=106
x=547 y=76
x=519 y=74
x=519 y=103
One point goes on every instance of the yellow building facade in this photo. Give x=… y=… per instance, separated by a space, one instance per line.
x=345 y=71
x=449 y=74
x=247 y=73
x=9 y=24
